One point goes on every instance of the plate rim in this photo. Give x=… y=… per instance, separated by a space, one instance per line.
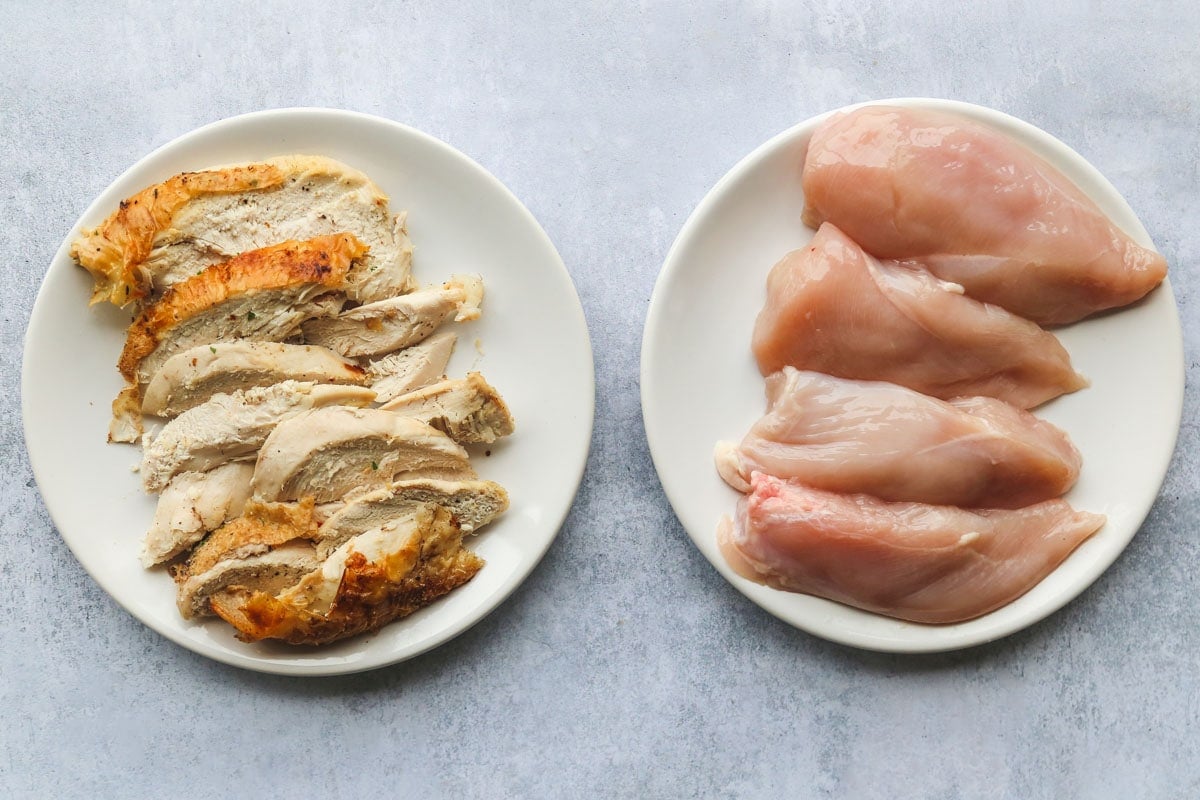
x=574 y=471
x=1173 y=405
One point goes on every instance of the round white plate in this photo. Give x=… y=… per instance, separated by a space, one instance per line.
x=700 y=384
x=531 y=344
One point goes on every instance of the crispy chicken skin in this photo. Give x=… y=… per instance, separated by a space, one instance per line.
x=170 y=231
x=259 y=292
x=268 y=547
x=403 y=570
x=473 y=503
x=114 y=251
x=322 y=261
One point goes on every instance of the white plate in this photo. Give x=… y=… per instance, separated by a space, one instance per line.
x=700 y=384
x=461 y=219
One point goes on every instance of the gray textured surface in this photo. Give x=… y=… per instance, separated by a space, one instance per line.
x=625 y=666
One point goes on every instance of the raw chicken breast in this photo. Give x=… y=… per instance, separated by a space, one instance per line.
x=974 y=207
x=832 y=308
x=924 y=563
x=896 y=444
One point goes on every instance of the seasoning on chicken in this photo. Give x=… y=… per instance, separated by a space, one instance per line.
x=192 y=377
x=193 y=504
x=268 y=548
x=376 y=577
x=411 y=368
x=473 y=503
x=231 y=427
x=330 y=452
x=468 y=410
x=173 y=230
x=262 y=295
x=388 y=325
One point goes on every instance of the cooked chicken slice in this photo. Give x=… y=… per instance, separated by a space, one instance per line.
x=168 y=232
x=268 y=547
x=467 y=410
x=260 y=295
x=126 y=422
x=193 y=504
x=330 y=452
x=389 y=325
x=473 y=504
x=376 y=577
x=190 y=378
x=233 y=426
x=267 y=570
x=411 y=368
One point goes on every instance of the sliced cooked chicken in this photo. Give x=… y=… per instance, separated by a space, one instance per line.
x=330 y=452
x=411 y=368
x=264 y=569
x=262 y=295
x=975 y=207
x=126 y=422
x=193 y=504
x=233 y=426
x=388 y=325
x=832 y=308
x=372 y=579
x=473 y=504
x=192 y=377
x=925 y=563
x=168 y=232
x=467 y=410
x=896 y=444
x=269 y=547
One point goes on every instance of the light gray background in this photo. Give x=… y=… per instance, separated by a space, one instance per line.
x=625 y=666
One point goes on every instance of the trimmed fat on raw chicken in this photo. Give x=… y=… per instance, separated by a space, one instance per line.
x=924 y=563
x=833 y=308
x=896 y=444
x=975 y=207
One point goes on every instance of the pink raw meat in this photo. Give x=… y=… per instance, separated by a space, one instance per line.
x=974 y=207
x=832 y=308
x=896 y=444
x=924 y=563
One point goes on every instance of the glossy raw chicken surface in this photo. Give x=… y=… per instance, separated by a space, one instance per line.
x=896 y=444
x=924 y=563
x=974 y=207
x=832 y=308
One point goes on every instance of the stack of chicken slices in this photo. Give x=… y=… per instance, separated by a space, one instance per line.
x=312 y=477
x=898 y=468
